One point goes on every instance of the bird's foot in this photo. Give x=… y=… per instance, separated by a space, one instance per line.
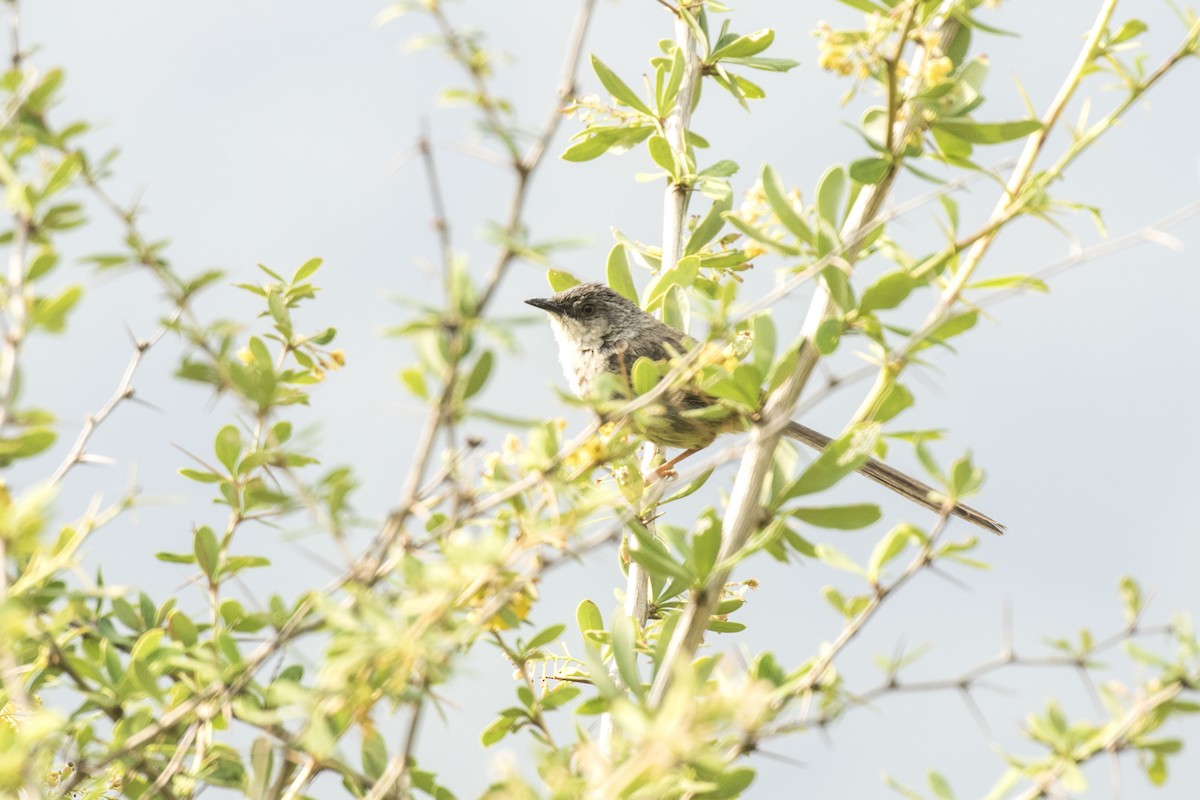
x=665 y=472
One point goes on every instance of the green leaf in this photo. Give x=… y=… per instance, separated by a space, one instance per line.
x=677 y=309
x=414 y=379
x=845 y=518
x=763 y=354
x=889 y=290
x=496 y=731
x=228 y=447
x=599 y=140
x=837 y=559
x=653 y=556
x=954 y=326
x=306 y=270
x=43 y=262
x=662 y=155
x=624 y=647
x=886 y=549
x=558 y=696
x=1131 y=596
x=26 y=445
x=545 y=636
x=895 y=399
x=777 y=198
x=870 y=170
x=1127 y=31
x=619 y=278
x=51 y=313
x=708 y=227
x=200 y=477
x=587 y=616
x=988 y=132
x=940 y=786
x=374 y=753
x=644 y=375
x=828 y=334
x=843 y=455
x=760 y=236
x=479 y=374
x=207 y=551
x=62 y=176
x=830 y=191
x=838 y=284
x=675 y=79
x=618 y=89
x=561 y=281
x=1012 y=282
x=744 y=46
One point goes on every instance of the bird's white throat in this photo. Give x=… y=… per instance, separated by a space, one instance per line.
x=579 y=352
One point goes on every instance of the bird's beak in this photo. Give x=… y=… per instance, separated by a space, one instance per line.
x=544 y=304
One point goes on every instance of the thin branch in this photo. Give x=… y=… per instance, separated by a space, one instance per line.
x=124 y=391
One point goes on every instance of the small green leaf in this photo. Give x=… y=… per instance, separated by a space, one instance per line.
x=644 y=375
x=838 y=284
x=374 y=753
x=830 y=191
x=988 y=132
x=587 y=616
x=846 y=518
x=837 y=559
x=479 y=375
x=828 y=335
x=51 y=313
x=889 y=290
x=306 y=270
x=496 y=731
x=708 y=227
x=624 y=647
x=545 y=636
x=782 y=206
x=200 y=477
x=560 y=281
x=662 y=155
x=891 y=545
x=618 y=89
x=843 y=455
x=870 y=170
x=207 y=551
x=619 y=278
x=744 y=46
x=228 y=447
x=414 y=379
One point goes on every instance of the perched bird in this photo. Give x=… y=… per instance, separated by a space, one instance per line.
x=598 y=331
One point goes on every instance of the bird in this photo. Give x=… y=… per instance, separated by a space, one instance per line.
x=600 y=331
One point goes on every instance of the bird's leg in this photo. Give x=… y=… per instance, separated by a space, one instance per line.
x=667 y=470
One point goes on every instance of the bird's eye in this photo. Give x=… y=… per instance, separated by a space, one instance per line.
x=587 y=309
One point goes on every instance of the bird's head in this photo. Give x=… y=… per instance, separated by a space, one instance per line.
x=589 y=315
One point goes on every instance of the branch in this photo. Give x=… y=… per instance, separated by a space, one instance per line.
x=743 y=511
x=124 y=391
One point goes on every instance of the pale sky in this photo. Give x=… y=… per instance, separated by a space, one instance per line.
x=270 y=132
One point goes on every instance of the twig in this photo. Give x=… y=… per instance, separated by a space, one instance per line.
x=123 y=392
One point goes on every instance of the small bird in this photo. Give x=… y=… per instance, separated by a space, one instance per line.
x=599 y=331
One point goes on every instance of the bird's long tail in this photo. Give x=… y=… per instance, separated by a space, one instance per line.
x=897 y=481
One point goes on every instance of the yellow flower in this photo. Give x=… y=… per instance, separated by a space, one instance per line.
x=245 y=356
x=753 y=250
x=937 y=69
x=338 y=356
